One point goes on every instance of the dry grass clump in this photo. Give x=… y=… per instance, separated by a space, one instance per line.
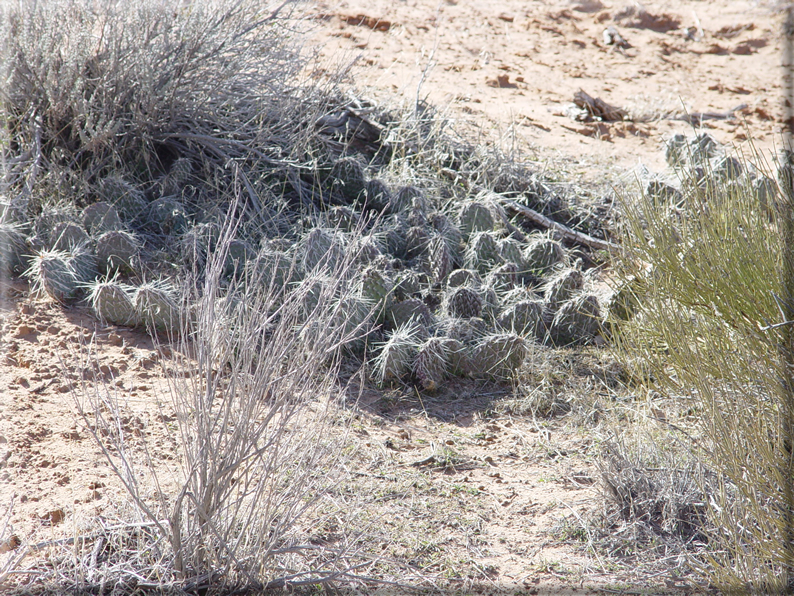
x=712 y=322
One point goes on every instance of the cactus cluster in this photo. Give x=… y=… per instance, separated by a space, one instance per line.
x=440 y=278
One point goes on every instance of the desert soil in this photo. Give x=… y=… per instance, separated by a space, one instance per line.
x=512 y=483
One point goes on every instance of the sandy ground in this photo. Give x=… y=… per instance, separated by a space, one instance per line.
x=511 y=69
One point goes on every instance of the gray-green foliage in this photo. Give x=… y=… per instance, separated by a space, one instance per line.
x=101 y=217
x=157 y=307
x=710 y=325
x=112 y=302
x=499 y=356
x=12 y=249
x=396 y=357
x=577 y=320
x=117 y=251
x=542 y=254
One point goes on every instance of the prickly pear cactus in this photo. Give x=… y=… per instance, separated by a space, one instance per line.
x=377 y=289
x=450 y=233
x=12 y=249
x=660 y=191
x=367 y=248
x=128 y=200
x=84 y=264
x=117 y=251
x=523 y=318
x=378 y=196
x=156 y=307
x=112 y=303
x=394 y=231
x=499 y=356
x=433 y=362
x=341 y=218
x=408 y=197
x=273 y=270
x=441 y=259
x=66 y=236
x=511 y=251
x=47 y=221
x=348 y=178
x=542 y=254
x=474 y=217
x=320 y=247
x=407 y=284
x=237 y=255
x=562 y=287
x=675 y=152
x=577 y=320
x=482 y=253
x=466 y=331
x=463 y=302
x=463 y=277
x=101 y=217
x=52 y=272
x=351 y=316
x=504 y=278
x=406 y=311
x=177 y=177
x=167 y=215
x=397 y=356
x=416 y=242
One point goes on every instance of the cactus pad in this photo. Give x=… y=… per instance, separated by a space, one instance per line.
x=116 y=251
x=463 y=302
x=156 y=307
x=577 y=320
x=112 y=303
x=499 y=356
x=100 y=217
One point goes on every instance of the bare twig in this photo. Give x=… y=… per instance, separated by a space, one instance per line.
x=567 y=233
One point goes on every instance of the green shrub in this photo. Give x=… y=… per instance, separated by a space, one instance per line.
x=712 y=319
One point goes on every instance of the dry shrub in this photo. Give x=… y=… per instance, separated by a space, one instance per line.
x=253 y=388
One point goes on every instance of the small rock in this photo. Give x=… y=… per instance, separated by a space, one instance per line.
x=114 y=339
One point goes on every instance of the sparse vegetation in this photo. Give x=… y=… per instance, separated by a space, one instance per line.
x=290 y=249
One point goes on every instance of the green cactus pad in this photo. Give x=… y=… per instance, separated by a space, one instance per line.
x=432 y=364
x=128 y=200
x=12 y=249
x=577 y=320
x=523 y=318
x=542 y=254
x=499 y=356
x=377 y=288
x=561 y=287
x=112 y=303
x=101 y=217
x=156 y=307
x=397 y=356
x=117 y=251
x=348 y=178
x=378 y=196
x=463 y=277
x=167 y=215
x=475 y=217
x=52 y=272
x=482 y=253
x=66 y=236
x=238 y=253
x=412 y=309
x=463 y=302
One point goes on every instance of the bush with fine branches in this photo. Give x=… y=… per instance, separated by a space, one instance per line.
x=710 y=294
